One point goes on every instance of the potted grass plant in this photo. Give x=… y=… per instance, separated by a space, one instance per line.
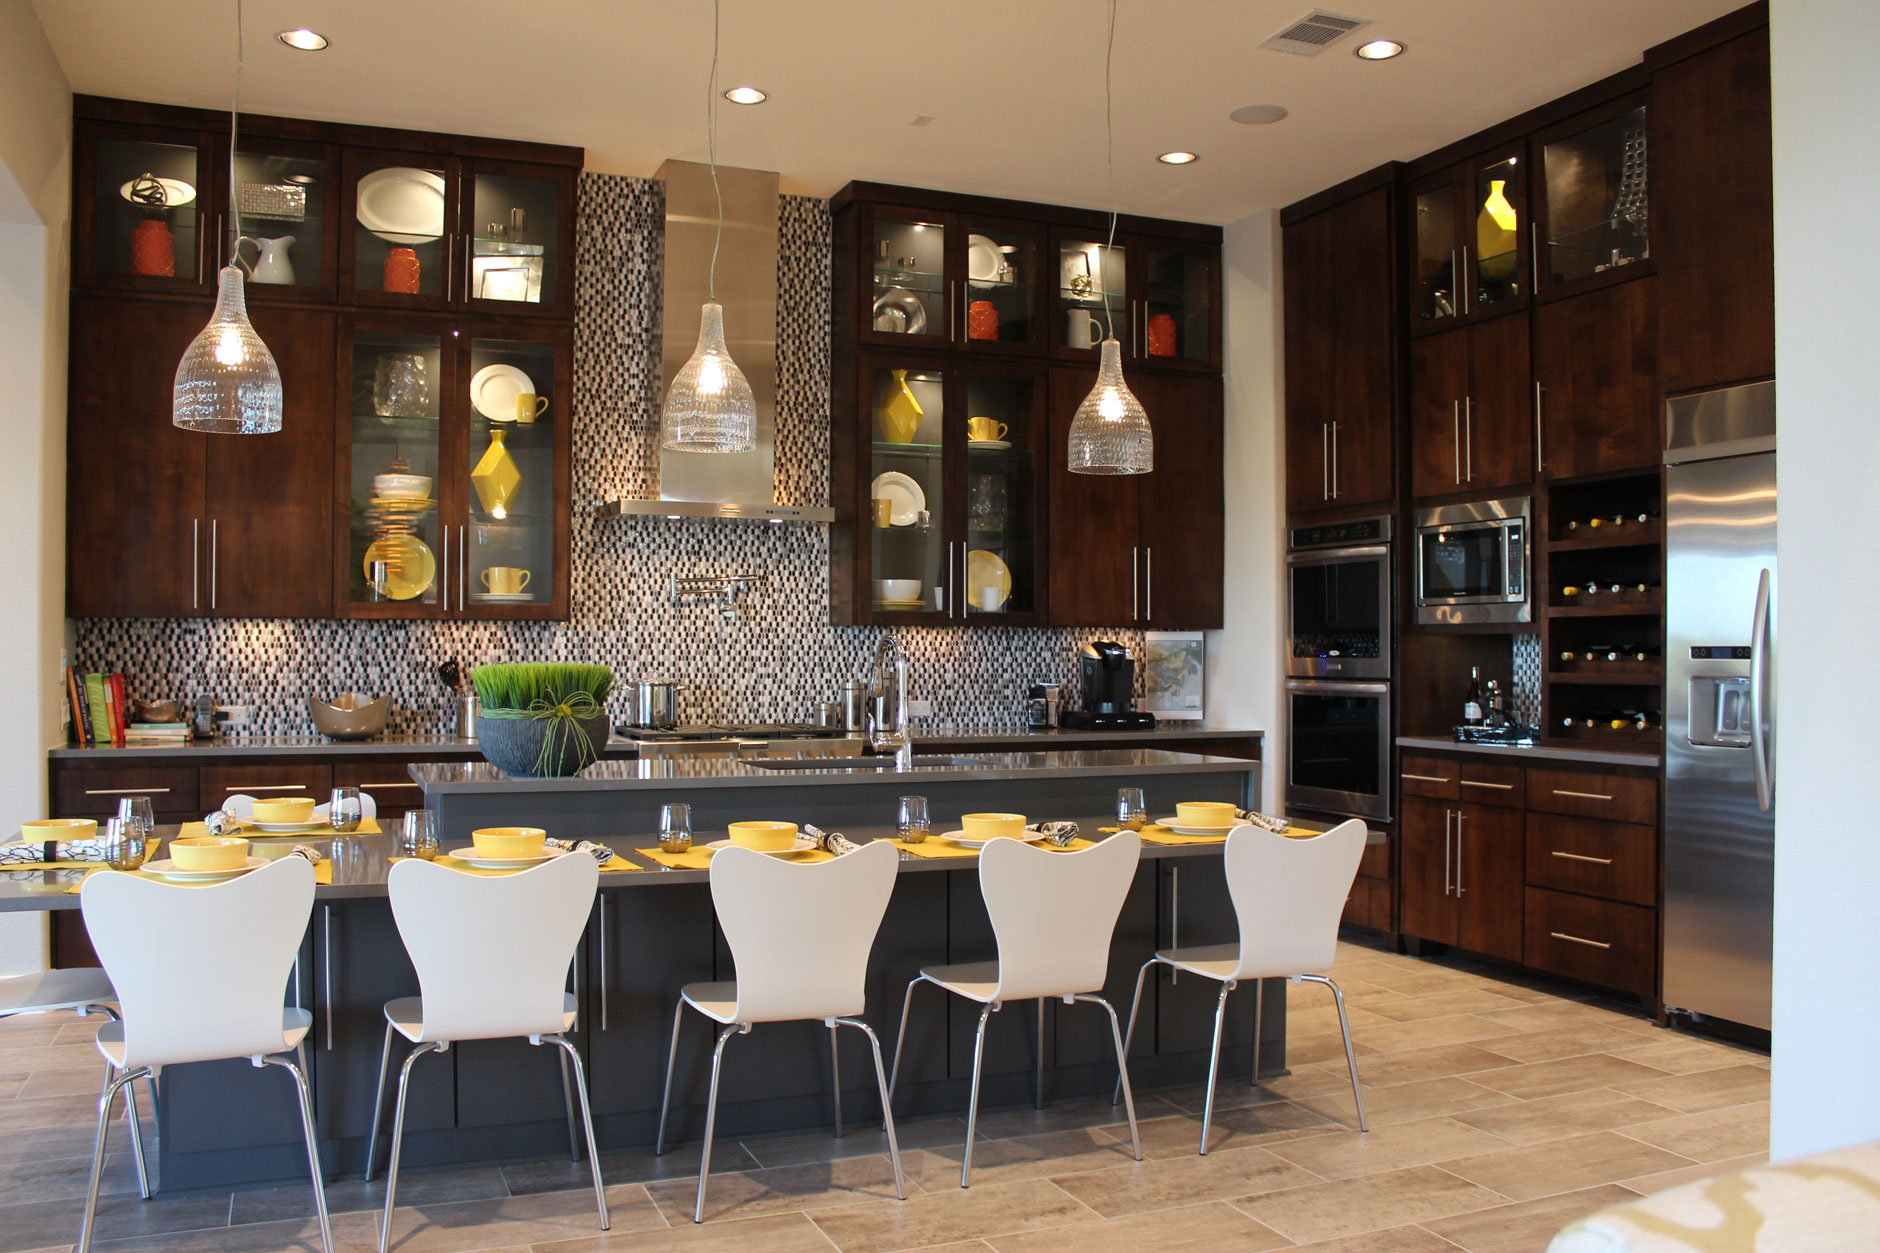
x=542 y=719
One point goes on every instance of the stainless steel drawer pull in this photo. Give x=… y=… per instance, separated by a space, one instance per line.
x=239 y=788
x=326 y=961
x=1499 y=787
x=127 y=791
x=383 y=786
x=600 y=933
x=1585 y=796
x=1425 y=778
x=1597 y=861
x=1574 y=939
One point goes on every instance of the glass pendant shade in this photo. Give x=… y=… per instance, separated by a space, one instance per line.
x=227 y=382
x=710 y=407
x=1110 y=433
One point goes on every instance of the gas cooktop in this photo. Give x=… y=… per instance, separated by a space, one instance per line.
x=730 y=731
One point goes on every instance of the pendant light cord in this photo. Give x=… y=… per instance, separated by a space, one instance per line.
x=234 y=122
x=1109 y=166
x=711 y=148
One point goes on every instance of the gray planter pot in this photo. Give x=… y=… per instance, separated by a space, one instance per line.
x=514 y=745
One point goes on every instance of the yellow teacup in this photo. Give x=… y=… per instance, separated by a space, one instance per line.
x=985 y=428
x=530 y=406
x=508 y=580
x=1205 y=814
x=992 y=826
x=508 y=841
x=765 y=837
x=284 y=809
x=209 y=852
x=40 y=830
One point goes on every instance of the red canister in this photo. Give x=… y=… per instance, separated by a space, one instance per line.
x=153 y=249
x=1161 y=335
x=401 y=271
x=982 y=320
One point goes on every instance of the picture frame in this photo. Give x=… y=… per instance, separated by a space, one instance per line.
x=1174 y=675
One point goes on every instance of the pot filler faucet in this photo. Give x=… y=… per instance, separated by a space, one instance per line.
x=890 y=692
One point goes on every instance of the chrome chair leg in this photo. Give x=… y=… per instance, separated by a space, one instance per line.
x=113 y=1081
x=567 y=1102
x=900 y=1037
x=835 y=1077
x=711 y=1117
x=1259 y=1008
x=1351 y=1060
x=1129 y=1036
x=398 y=1138
x=972 y=1106
x=1037 y=1081
x=137 y=1133
x=571 y=1058
x=307 y=1129
x=1214 y=1064
x=881 y=1084
x=1122 y=1070
x=665 y=1099
x=378 y=1101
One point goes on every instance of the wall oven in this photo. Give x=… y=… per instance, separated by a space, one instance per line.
x=1338 y=747
x=1338 y=614
x=1472 y=563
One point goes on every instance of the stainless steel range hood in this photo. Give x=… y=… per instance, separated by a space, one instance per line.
x=712 y=485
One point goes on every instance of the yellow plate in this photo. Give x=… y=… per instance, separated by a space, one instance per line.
x=984 y=569
x=410 y=565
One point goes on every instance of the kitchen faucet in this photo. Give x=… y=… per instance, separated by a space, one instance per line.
x=890 y=691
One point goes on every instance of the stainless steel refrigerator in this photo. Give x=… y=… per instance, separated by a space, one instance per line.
x=1720 y=632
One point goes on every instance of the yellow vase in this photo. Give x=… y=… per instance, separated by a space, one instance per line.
x=1495 y=233
x=496 y=476
x=900 y=414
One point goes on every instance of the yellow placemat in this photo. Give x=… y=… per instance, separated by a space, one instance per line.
x=698 y=857
x=935 y=846
x=445 y=859
x=367 y=826
x=322 y=874
x=1077 y=844
x=1155 y=833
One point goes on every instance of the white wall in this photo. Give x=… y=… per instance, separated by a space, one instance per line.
x=1826 y=1089
x=1244 y=657
x=35 y=181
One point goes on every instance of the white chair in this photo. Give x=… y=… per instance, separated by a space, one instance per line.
x=800 y=936
x=1053 y=916
x=80 y=988
x=492 y=956
x=242 y=806
x=1288 y=894
x=217 y=996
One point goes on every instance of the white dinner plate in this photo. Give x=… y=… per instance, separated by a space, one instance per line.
x=716 y=845
x=983 y=259
x=317 y=823
x=164 y=868
x=966 y=841
x=402 y=205
x=1182 y=828
x=988 y=443
x=503 y=598
x=175 y=190
x=470 y=857
x=908 y=500
x=494 y=388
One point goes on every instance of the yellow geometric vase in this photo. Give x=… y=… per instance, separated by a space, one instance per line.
x=900 y=414
x=496 y=476
x=1495 y=239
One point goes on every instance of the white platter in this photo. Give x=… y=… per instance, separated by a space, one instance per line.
x=966 y=841
x=984 y=260
x=470 y=857
x=1182 y=828
x=164 y=868
x=908 y=500
x=717 y=845
x=494 y=388
x=175 y=190
x=402 y=205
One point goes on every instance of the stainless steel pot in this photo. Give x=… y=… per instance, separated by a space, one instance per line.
x=656 y=703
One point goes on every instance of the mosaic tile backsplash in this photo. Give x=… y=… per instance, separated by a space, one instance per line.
x=776 y=661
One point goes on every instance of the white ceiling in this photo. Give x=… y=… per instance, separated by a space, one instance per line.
x=1015 y=87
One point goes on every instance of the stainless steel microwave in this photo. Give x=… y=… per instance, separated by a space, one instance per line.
x=1472 y=562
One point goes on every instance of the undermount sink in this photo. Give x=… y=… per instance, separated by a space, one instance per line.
x=860 y=763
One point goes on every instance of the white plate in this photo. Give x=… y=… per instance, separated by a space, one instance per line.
x=988 y=443
x=164 y=868
x=908 y=499
x=175 y=189
x=402 y=205
x=1181 y=828
x=494 y=388
x=291 y=828
x=503 y=598
x=983 y=259
x=768 y=852
x=470 y=857
x=966 y=841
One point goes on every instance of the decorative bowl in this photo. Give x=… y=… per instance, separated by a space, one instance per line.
x=284 y=809
x=350 y=716
x=402 y=486
x=897 y=590
x=509 y=841
x=765 y=837
x=209 y=852
x=993 y=826
x=1205 y=814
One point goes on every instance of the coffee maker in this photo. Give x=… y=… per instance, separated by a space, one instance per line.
x=1107 y=675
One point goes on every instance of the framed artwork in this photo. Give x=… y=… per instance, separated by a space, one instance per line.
x=1174 y=667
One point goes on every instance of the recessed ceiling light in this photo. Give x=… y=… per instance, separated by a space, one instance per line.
x=1178 y=158
x=1259 y=114
x=1379 y=50
x=302 y=39
x=745 y=95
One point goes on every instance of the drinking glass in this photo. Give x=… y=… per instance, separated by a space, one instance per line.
x=126 y=845
x=1131 y=810
x=913 y=824
x=346 y=810
x=137 y=810
x=675 y=827
x=419 y=837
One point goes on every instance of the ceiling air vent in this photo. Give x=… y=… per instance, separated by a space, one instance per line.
x=1313 y=33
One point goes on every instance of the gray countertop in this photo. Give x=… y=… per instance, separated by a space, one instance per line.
x=1572 y=756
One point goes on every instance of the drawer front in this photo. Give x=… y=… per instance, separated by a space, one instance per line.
x=1434 y=777
x=1368 y=905
x=1615 y=860
x=1590 y=794
x=294 y=778
x=388 y=783
x=1601 y=942
x=95 y=793
x=1490 y=783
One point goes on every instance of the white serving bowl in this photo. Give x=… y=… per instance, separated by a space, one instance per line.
x=897 y=589
x=402 y=486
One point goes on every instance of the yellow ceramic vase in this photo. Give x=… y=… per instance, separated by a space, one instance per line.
x=496 y=476
x=1495 y=233
x=900 y=414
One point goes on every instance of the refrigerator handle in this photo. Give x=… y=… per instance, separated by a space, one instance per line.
x=1758 y=697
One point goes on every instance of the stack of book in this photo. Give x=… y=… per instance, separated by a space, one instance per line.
x=102 y=713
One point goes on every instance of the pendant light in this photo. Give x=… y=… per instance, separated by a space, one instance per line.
x=710 y=406
x=227 y=382
x=1110 y=433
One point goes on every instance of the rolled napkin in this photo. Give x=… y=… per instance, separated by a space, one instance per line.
x=1058 y=833
x=24 y=853
x=1266 y=822
x=808 y=837
x=307 y=853
x=599 y=852
x=222 y=822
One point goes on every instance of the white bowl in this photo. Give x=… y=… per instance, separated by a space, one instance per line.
x=402 y=486
x=897 y=589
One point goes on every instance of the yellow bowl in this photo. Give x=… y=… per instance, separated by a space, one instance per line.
x=40 y=830
x=1205 y=814
x=209 y=852
x=284 y=809
x=992 y=826
x=509 y=841
x=765 y=837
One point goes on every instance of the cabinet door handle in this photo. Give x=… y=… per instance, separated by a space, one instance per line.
x=463 y=561
x=1425 y=778
x=946 y=590
x=1175 y=913
x=212 y=562
x=1148 y=583
x=1459 y=888
x=1468 y=439
x=1455 y=436
x=1455 y=286
x=1449 y=822
x=1463 y=293
x=382 y=786
x=450 y=265
x=1534 y=255
x=1499 y=787
x=1539 y=460
x=1334 y=460
x=1585 y=796
x=1135 y=585
x=446 y=569
x=264 y=787
x=1325 y=461
x=1597 y=861
x=135 y=791
x=601 y=935
x=195 y=563
x=1574 y=939
x=326 y=961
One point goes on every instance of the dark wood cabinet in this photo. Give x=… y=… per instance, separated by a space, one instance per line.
x=1439 y=379
x=1095 y=549
x=1426 y=873
x=215 y=784
x=134 y=245
x=1469 y=240
x=1596 y=379
x=1592 y=203
x=1461 y=875
x=1471 y=411
x=1713 y=218
x=1181 y=504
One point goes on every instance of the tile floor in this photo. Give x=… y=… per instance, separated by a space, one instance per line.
x=1500 y=1109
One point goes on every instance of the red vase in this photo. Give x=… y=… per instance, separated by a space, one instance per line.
x=1162 y=335
x=401 y=271
x=153 y=249
x=982 y=320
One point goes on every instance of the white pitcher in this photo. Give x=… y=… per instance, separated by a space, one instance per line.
x=271 y=265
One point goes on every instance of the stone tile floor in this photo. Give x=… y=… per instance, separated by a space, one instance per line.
x=1501 y=1107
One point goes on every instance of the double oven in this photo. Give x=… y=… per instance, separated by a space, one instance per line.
x=1338 y=666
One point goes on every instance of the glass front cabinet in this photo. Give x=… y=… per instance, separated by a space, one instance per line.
x=1159 y=296
x=454 y=451
x=1471 y=251
x=1594 y=219
x=145 y=208
x=949 y=280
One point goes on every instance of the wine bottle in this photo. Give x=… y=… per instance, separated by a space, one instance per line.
x=1568 y=655
x=1472 y=703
